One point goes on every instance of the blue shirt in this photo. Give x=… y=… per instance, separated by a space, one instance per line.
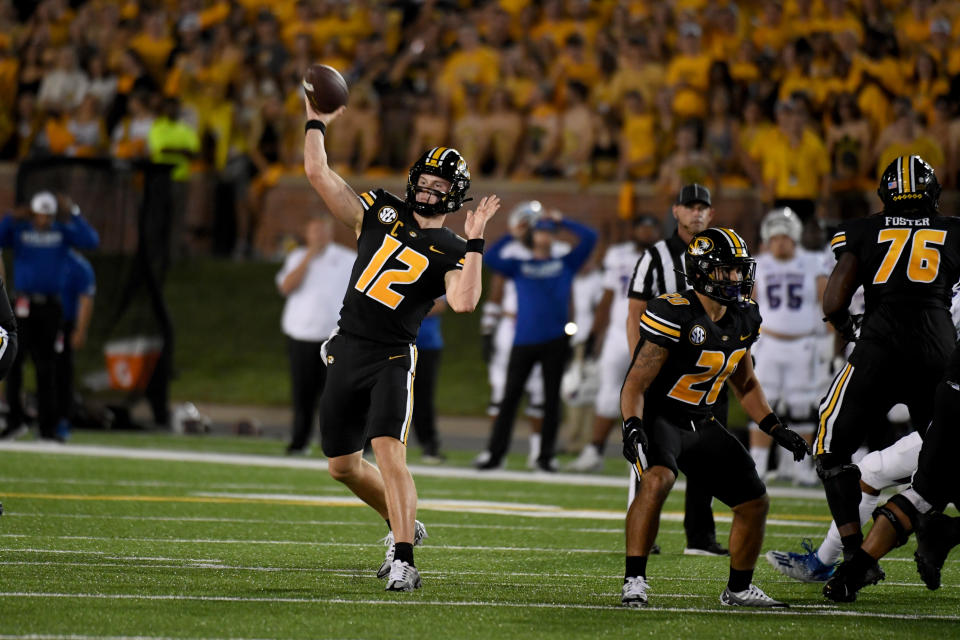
x=39 y=256
x=543 y=286
x=78 y=280
x=429 y=336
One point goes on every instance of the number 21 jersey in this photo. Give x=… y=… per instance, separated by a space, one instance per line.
x=702 y=354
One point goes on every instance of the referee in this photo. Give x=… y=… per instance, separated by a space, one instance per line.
x=659 y=271
x=41 y=242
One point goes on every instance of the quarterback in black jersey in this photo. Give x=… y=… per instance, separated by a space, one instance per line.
x=907 y=259
x=405 y=260
x=691 y=342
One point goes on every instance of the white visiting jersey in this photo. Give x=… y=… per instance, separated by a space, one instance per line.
x=618 y=265
x=519 y=251
x=786 y=292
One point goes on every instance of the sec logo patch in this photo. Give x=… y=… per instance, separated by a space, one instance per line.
x=387 y=215
x=330 y=359
x=698 y=335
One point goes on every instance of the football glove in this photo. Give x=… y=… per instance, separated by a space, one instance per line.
x=634 y=439
x=790 y=440
x=848 y=326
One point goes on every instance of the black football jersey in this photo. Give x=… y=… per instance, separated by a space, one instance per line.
x=909 y=260
x=399 y=271
x=703 y=353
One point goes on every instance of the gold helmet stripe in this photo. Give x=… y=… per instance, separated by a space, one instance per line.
x=907 y=184
x=739 y=246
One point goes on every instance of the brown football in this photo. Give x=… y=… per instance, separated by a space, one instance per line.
x=325 y=88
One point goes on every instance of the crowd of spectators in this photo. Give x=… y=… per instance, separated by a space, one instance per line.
x=799 y=98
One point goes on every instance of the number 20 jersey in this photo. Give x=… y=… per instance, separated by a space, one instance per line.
x=399 y=271
x=907 y=267
x=702 y=355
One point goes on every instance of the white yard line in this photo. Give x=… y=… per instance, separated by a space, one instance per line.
x=351 y=572
x=250 y=460
x=803 y=610
x=817 y=529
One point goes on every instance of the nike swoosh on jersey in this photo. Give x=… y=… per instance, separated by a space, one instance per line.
x=742 y=338
x=395 y=357
x=435 y=250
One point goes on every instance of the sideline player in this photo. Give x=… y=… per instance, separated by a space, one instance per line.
x=692 y=342
x=499 y=323
x=610 y=321
x=406 y=259
x=660 y=271
x=790 y=283
x=907 y=257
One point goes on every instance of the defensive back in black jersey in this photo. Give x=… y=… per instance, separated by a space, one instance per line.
x=399 y=271
x=703 y=354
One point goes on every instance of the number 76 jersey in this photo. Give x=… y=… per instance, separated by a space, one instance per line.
x=702 y=354
x=907 y=264
x=400 y=270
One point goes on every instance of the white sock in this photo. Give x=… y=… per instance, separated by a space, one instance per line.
x=761 y=457
x=534 y=446
x=831 y=549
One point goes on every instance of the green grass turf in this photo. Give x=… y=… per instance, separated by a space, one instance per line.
x=107 y=547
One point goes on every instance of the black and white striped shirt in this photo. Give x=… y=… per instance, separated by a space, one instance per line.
x=656 y=270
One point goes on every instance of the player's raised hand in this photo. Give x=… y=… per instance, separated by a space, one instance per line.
x=477 y=220
x=326 y=118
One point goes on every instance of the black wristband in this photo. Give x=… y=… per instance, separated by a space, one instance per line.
x=475 y=244
x=315 y=124
x=769 y=422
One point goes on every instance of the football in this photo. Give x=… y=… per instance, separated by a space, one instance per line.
x=325 y=88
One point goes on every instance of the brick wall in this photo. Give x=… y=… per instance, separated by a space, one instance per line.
x=289 y=204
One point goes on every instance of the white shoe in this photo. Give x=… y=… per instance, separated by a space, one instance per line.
x=534 y=451
x=403 y=577
x=588 y=460
x=419 y=533
x=752 y=596
x=634 y=592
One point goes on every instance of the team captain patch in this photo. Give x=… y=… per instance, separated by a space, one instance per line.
x=387 y=215
x=698 y=335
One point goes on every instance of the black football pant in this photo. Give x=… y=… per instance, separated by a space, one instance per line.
x=64 y=372
x=37 y=334
x=698 y=521
x=424 y=403
x=308 y=372
x=552 y=356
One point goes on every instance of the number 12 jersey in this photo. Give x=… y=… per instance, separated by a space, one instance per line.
x=399 y=271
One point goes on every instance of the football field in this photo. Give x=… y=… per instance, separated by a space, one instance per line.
x=161 y=537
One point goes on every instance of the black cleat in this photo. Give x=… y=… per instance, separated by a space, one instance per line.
x=934 y=541
x=846 y=582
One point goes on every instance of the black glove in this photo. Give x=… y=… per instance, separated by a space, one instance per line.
x=790 y=440
x=848 y=326
x=486 y=347
x=634 y=438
